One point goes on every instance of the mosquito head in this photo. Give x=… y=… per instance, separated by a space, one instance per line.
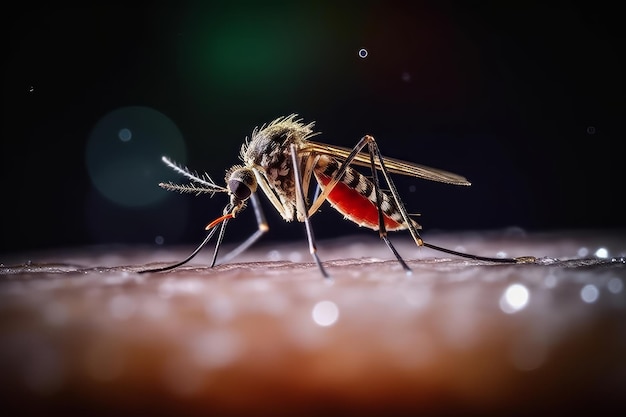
x=241 y=182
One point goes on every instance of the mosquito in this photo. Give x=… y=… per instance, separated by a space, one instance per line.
x=281 y=160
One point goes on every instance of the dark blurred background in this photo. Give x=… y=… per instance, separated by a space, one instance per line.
x=526 y=101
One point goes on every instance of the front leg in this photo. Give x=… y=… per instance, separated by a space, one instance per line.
x=263 y=227
x=301 y=208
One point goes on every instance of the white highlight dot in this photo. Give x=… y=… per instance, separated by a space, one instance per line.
x=602 y=253
x=589 y=293
x=216 y=348
x=363 y=53
x=295 y=256
x=514 y=299
x=274 y=255
x=325 y=313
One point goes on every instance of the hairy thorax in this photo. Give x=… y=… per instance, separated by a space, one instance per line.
x=269 y=151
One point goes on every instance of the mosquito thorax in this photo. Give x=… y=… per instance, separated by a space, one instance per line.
x=271 y=142
x=241 y=182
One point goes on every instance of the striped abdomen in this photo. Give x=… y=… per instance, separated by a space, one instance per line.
x=355 y=198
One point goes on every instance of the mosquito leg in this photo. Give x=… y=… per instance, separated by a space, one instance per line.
x=218 y=244
x=187 y=259
x=309 y=167
x=374 y=151
x=320 y=198
x=263 y=227
x=393 y=250
x=523 y=259
x=382 y=230
x=373 y=147
x=301 y=207
x=374 y=154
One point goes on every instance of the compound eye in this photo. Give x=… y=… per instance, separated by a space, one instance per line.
x=239 y=189
x=241 y=182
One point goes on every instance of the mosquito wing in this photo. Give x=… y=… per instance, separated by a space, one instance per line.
x=393 y=165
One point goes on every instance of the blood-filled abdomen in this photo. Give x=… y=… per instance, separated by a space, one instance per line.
x=352 y=201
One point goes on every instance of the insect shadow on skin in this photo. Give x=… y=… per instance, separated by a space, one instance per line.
x=281 y=160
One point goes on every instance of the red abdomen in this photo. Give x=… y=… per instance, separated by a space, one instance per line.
x=355 y=206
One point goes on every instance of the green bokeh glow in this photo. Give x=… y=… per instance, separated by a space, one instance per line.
x=252 y=50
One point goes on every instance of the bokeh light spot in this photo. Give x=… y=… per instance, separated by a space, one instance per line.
x=125 y=135
x=325 y=313
x=589 y=293
x=615 y=285
x=363 y=53
x=127 y=171
x=514 y=299
x=602 y=253
x=122 y=307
